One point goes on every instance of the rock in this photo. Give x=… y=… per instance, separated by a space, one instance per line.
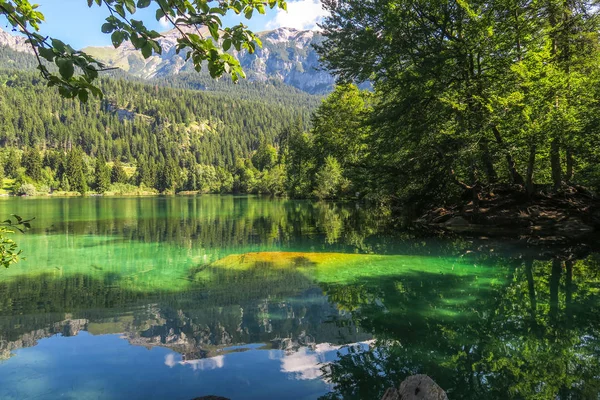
x=416 y=387
x=574 y=228
x=391 y=394
x=457 y=222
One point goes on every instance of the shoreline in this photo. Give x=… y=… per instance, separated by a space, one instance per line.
x=569 y=216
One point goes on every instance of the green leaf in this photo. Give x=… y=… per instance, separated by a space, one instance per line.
x=143 y=3
x=83 y=95
x=226 y=44
x=147 y=50
x=58 y=45
x=130 y=4
x=117 y=38
x=159 y=14
x=120 y=10
x=48 y=54
x=107 y=28
x=214 y=30
x=65 y=67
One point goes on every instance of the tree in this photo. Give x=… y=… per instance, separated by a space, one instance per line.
x=101 y=176
x=32 y=162
x=118 y=174
x=264 y=157
x=12 y=164
x=469 y=94
x=339 y=125
x=75 y=171
x=299 y=161
x=328 y=180
x=210 y=47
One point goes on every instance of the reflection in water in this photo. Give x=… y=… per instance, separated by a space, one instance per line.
x=255 y=298
x=534 y=337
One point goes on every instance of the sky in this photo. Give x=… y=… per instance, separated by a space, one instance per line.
x=75 y=23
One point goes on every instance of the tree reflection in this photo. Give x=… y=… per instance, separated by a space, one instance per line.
x=536 y=336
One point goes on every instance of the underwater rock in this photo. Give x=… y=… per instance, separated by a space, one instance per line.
x=416 y=387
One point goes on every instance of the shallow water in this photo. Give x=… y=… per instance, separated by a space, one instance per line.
x=252 y=298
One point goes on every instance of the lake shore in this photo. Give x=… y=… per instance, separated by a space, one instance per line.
x=571 y=215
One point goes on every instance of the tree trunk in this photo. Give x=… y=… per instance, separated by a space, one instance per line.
x=515 y=177
x=554 y=286
x=530 y=168
x=531 y=288
x=555 y=164
x=490 y=171
x=569 y=289
x=570 y=162
x=535 y=327
x=474 y=185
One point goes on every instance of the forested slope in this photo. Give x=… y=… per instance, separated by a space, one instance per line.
x=176 y=124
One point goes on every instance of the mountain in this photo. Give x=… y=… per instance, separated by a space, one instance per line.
x=16 y=43
x=287 y=56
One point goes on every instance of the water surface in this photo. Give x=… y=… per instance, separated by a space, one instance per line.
x=253 y=298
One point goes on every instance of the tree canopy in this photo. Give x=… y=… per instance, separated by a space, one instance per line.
x=466 y=94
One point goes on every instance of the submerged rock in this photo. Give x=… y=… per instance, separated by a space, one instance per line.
x=416 y=387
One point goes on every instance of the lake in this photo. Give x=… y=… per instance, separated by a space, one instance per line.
x=255 y=298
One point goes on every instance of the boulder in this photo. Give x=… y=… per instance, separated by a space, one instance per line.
x=416 y=387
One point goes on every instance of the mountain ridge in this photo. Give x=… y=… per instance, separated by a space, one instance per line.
x=287 y=56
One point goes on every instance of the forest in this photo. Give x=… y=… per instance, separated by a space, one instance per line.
x=164 y=136
x=467 y=96
x=462 y=98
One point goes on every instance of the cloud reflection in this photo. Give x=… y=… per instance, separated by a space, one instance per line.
x=203 y=364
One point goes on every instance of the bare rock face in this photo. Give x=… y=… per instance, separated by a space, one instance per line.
x=416 y=387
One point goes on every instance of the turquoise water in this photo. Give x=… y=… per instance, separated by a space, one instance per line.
x=253 y=298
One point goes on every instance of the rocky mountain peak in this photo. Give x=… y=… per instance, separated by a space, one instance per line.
x=14 y=42
x=287 y=55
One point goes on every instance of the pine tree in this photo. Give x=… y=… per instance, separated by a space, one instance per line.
x=75 y=171
x=101 y=176
x=12 y=164
x=118 y=174
x=32 y=162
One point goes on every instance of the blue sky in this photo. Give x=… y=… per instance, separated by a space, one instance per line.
x=73 y=22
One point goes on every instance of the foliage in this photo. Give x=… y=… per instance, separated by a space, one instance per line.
x=102 y=175
x=466 y=95
x=27 y=189
x=9 y=251
x=264 y=157
x=203 y=133
x=117 y=173
x=329 y=180
x=78 y=71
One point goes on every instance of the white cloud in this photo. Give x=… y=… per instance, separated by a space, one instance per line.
x=164 y=22
x=301 y=14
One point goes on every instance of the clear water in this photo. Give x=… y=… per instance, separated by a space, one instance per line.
x=253 y=298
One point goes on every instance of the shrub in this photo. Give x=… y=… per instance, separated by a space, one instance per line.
x=26 y=189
